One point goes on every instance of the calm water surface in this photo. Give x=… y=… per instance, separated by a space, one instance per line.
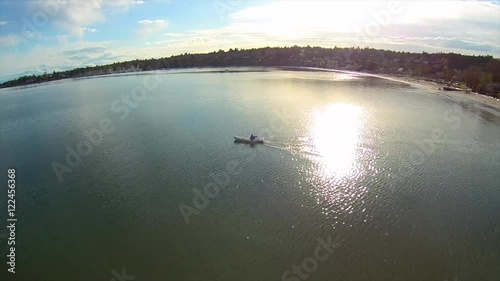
x=405 y=179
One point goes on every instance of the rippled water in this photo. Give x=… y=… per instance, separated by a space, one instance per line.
x=405 y=179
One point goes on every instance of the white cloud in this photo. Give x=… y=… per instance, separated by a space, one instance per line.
x=3 y=22
x=174 y=34
x=90 y=29
x=68 y=56
x=416 y=11
x=74 y=17
x=124 y=3
x=147 y=27
x=62 y=39
x=10 y=40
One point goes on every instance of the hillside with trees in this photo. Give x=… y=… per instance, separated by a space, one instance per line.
x=480 y=74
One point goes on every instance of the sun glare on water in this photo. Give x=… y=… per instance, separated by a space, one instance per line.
x=336 y=133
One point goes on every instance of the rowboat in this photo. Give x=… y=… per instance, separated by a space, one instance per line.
x=248 y=140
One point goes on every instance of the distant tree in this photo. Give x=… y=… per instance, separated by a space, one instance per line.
x=477 y=72
x=477 y=79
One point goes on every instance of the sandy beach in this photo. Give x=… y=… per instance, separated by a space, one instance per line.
x=419 y=83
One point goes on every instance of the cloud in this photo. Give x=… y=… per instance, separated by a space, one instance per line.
x=63 y=57
x=481 y=11
x=91 y=58
x=86 y=50
x=121 y=6
x=147 y=27
x=174 y=34
x=90 y=29
x=10 y=40
x=3 y=22
x=62 y=39
x=124 y=3
x=474 y=46
x=74 y=17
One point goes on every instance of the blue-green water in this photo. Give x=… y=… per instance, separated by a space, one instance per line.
x=403 y=178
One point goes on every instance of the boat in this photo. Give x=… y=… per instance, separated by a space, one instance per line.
x=447 y=88
x=247 y=139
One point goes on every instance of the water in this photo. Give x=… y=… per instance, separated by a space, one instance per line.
x=403 y=178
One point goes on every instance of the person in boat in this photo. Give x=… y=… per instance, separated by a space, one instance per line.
x=252 y=137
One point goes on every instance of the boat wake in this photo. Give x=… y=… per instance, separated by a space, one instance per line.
x=302 y=145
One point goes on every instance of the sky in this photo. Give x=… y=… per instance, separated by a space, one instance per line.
x=55 y=35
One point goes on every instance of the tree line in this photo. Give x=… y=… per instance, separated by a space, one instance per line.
x=478 y=73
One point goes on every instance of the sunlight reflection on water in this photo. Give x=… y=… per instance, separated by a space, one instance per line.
x=334 y=146
x=335 y=134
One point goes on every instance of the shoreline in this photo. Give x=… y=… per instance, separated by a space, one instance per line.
x=436 y=86
x=369 y=61
x=423 y=83
x=413 y=81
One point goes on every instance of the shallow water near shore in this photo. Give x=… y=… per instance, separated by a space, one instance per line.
x=404 y=179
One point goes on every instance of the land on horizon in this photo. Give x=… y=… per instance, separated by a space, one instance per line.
x=479 y=74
